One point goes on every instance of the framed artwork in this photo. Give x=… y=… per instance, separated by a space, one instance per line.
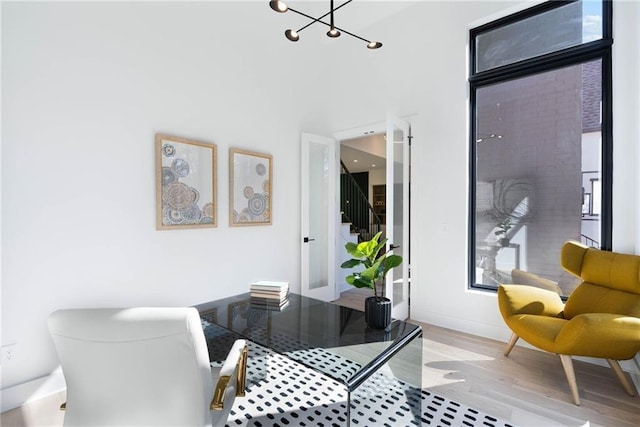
x=249 y=188
x=185 y=183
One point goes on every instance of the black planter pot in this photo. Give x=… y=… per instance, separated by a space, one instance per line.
x=377 y=312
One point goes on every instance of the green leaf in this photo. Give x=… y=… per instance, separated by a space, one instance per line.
x=366 y=248
x=392 y=261
x=371 y=273
x=362 y=283
x=350 y=263
x=352 y=249
x=380 y=245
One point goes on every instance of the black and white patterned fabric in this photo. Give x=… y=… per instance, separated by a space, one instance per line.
x=282 y=392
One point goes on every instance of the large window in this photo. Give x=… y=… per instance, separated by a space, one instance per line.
x=540 y=158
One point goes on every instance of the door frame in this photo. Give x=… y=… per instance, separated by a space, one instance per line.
x=381 y=128
x=399 y=309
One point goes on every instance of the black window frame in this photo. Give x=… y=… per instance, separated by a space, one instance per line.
x=598 y=49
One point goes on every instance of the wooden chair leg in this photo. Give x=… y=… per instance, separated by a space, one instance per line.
x=615 y=365
x=567 y=364
x=512 y=342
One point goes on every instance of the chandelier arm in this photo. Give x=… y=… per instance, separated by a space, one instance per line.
x=337 y=28
x=328 y=25
x=351 y=34
x=371 y=45
x=343 y=4
x=314 y=20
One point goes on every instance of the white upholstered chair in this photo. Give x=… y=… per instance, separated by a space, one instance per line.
x=143 y=367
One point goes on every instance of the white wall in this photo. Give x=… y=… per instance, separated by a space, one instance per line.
x=86 y=86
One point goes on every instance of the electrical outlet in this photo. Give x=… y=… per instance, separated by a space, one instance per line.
x=8 y=353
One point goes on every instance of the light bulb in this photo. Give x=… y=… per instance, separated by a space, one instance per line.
x=279 y=6
x=292 y=35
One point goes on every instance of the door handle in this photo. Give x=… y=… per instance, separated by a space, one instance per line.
x=307 y=240
x=392 y=247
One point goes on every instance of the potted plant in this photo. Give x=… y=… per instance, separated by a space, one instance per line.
x=377 y=309
x=503 y=228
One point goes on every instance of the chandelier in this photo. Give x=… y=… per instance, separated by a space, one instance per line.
x=293 y=35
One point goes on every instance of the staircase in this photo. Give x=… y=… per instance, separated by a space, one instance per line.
x=356 y=208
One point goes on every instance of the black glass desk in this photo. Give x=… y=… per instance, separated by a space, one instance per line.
x=328 y=338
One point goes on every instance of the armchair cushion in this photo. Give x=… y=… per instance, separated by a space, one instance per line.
x=611 y=270
x=540 y=331
x=603 y=335
x=523 y=299
x=590 y=298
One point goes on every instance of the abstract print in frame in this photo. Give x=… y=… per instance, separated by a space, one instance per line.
x=249 y=188
x=185 y=183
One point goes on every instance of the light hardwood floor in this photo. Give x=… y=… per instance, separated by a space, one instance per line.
x=528 y=388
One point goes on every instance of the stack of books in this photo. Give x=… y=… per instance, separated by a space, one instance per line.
x=269 y=295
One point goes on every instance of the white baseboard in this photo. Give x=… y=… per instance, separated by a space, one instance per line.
x=18 y=395
x=485 y=330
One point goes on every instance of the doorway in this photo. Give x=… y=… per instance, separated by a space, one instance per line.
x=362 y=202
x=323 y=245
x=382 y=152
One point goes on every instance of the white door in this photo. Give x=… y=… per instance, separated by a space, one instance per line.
x=397 y=212
x=319 y=216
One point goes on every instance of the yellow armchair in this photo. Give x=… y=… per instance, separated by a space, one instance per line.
x=601 y=317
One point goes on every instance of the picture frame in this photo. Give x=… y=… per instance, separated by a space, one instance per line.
x=185 y=183
x=250 y=184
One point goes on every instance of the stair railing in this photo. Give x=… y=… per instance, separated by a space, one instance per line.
x=589 y=241
x=355 y=207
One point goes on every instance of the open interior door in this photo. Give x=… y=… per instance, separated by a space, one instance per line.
x=319 y=216
x=397 y=213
